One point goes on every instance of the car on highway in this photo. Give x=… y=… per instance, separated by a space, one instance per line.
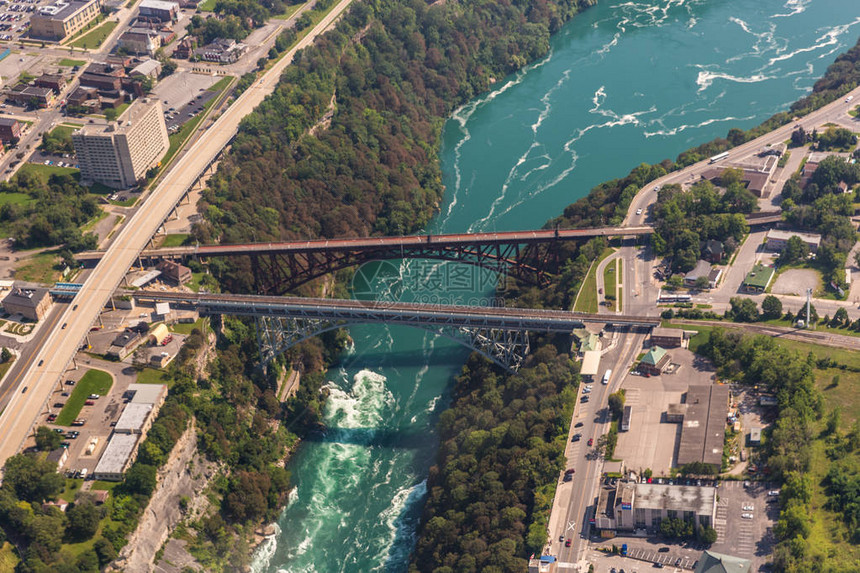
x=590 y=441
x=75 y=307
x=24 y=391
x=64 y=326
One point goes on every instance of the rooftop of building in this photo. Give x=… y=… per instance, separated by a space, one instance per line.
x=30 y=297
x=759 y=276
x=147 y=393
x=125 y=338
x=133 y=417
x=654 y=355
x=159 y=5
x=786 y=235
x=703 y=428
x=129 y=118
x=662 y=332
x=116 y=454
x=56 y=455
x=63 y=9
x=712 y=562
x=699 y=499
x=8 y=121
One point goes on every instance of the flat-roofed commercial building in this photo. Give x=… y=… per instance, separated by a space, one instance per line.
x=632 y=505
x=159 y=10
x=120 y=153
x=135 y=419
x=63 y=19
x=704 y=425
x=153 y=394
x=777 y=240
x=118 y=456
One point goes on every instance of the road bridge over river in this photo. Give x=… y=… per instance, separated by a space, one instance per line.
x=499 y=333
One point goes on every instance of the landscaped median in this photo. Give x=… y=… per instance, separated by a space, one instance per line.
x=587 y=299
x=93 y=382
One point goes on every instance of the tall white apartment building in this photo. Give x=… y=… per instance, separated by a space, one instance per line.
x=120 y=153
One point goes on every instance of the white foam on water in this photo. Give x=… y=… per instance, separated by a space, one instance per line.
x=706 y=78
x=680 y=128
x=796 y=7
x=266 y=550
x=392 y=517
x=828 y=38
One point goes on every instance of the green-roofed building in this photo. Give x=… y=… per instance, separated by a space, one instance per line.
x=588 y=341
x=758 y=279
x=712 y=562
x=654 y=361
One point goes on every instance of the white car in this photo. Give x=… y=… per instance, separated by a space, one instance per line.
x=747 y=515
x=849 y=98
x=638 y=211
x=749 y=507
x=586 y=390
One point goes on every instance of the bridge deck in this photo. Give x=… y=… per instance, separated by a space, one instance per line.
x=337 y=245
x=399 y=312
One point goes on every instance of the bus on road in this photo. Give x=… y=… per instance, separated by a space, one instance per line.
x=718 y=157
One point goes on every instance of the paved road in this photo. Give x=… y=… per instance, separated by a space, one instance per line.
x=582 y=491
x=59 y=348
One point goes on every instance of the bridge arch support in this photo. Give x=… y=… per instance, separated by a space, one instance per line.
x=507 y=348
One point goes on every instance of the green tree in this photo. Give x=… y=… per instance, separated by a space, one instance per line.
x=702 y=283
x=32 y=479
x=105 y=551
x=795 y=251
x=743 y=309
x=83 y=521
x=47 y=439
x=771 y=308
x=616 y=404
x=140 y=479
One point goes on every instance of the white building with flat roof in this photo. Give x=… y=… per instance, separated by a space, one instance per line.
x=118 y=456
x=135 y=419
x=120 y=153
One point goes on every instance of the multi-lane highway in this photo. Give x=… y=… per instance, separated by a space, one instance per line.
x=58 y=350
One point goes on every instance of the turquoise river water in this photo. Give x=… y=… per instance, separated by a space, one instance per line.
x=625 y=82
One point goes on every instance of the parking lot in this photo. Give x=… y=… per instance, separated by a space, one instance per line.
x=651 y=442
x=177 y=90
x=15 y=17
x=750 y=537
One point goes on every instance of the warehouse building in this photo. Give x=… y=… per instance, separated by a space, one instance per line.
x=704 y=424
x=135 y=419
x=118 y=456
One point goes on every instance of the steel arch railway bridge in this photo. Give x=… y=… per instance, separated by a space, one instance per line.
x=500 y=334
x=530 y=256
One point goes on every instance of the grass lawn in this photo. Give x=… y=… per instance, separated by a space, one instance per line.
x=20 y=329
x=8 y=558
x=43 y=172
x=69 y=63
x=587 y=299
x=15 y=199
x=127 y=203
x=94 y=38
x=64 y=130
x=100 y=485
x=72 y=487
x=175 y=240
x=39 y=268
x=93 y=382
x=207 y=6
x=288 y=12
x=187 y=327
x=153 y=376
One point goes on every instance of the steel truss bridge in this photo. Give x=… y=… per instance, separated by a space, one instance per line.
x=530 y=256
x=500 y=334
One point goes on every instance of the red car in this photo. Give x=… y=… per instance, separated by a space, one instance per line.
x=89 y=403
x=570 y=471
x=590 y=441
x=567 y=543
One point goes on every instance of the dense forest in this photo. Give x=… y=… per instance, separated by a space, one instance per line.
x=501 y=452
x=396 y=70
